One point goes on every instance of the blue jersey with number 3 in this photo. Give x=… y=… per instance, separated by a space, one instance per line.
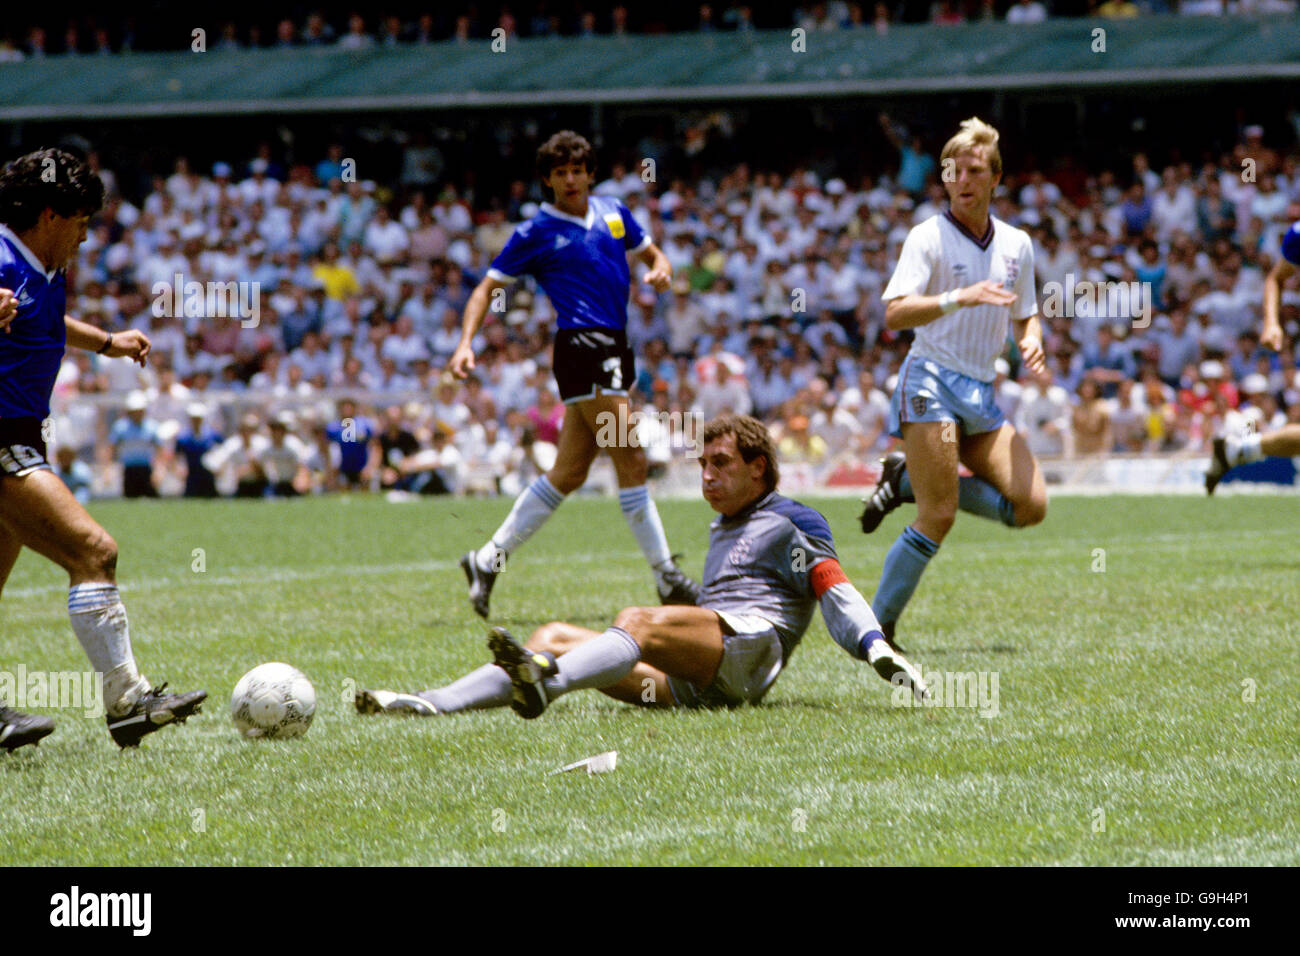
x=581 y=264
x=32 y=350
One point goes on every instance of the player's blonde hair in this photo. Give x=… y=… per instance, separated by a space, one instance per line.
x=975 y=133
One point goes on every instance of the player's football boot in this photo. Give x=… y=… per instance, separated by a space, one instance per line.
x=1219 y=465
x=896 y=669
x=527 y=669
x=675 y=587
x=18 y=729
x=154 y=710
x=888 y=494
x=480 y=583
x=391 y=702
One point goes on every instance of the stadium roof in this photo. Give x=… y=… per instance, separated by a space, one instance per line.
x=673 y=68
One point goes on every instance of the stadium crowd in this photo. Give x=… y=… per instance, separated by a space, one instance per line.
x=350 y=28
x=329 y=371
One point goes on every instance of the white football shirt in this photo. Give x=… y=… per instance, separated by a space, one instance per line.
x=940 y=255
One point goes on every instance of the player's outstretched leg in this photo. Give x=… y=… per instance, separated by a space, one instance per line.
x=1235 y=448
x=890 y=492
x=18 y=729
x=392 y=702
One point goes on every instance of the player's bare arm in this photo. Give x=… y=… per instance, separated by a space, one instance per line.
x=132 y=343
x=1029 y=336
x=462 y=360
x=913 y=311
x=8 y=308
x=1271 y=337
x=660 y=276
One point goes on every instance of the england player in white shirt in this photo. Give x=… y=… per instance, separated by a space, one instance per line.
x=961 y=278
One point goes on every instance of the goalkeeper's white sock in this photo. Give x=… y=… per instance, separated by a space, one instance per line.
x=99 y=621
x=534 y=505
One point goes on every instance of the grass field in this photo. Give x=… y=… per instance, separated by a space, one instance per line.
x=1124 y=732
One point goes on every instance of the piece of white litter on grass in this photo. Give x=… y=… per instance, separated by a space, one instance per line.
x=601 y=763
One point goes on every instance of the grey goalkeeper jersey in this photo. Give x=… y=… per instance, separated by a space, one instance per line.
x=764 y=561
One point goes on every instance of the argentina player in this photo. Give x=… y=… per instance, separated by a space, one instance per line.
x=1236 y=449
x=577 y=249
x=961 y=277
x=46 y=201
x=771 y=563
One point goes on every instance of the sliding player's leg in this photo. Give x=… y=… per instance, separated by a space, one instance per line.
x=41 y=513
x=1238 y=448
x=1007 y=484
x=608 y=417
x=932 y=465
x=575 y=452
x=490 y=685
x=686 y=643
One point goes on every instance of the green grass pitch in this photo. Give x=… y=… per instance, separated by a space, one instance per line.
x=1147 y=713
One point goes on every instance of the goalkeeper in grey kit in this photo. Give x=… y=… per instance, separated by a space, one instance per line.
x=771 y=561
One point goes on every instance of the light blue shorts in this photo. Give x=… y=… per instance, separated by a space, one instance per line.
x=929 y=392
x=751 y=662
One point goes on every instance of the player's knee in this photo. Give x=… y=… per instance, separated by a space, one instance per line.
x=632 y=467
x=548 y=637
x=637 y=621
x=1031 y=511
x=937 y=521
x=568 y=480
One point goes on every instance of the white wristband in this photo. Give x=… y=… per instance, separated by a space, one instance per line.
x=948 y=302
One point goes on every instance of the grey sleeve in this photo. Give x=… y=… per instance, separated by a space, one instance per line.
x=848 y=617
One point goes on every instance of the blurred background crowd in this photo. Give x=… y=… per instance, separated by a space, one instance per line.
x=775 y=310
x=94 y=32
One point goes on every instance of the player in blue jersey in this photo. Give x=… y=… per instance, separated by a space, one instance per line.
x=576 y=248
x=771 y=563
x=1234 y=449
x=46 y=201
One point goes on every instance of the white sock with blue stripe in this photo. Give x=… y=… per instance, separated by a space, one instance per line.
x=99 y=621
x=643 y=518
x=534 y=505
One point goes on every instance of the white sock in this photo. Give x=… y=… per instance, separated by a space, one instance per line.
x=534 y=505
x=643 y=518
x=99 y=621
x=1247 y=449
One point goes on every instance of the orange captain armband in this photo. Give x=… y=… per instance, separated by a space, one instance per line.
x=826 y=575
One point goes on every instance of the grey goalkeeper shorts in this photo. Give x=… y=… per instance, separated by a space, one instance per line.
x=751 y=663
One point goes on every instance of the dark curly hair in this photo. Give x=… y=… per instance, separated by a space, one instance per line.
x=563 y=148
x=753 y=440
x=47 y=179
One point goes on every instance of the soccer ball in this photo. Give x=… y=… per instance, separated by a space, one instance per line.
x=274 y=701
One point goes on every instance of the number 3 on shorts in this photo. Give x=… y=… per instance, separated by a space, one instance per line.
x=613 y=367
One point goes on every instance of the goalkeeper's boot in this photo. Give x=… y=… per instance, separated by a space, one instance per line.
x=675 y=587
x=897 y=669
x=1219 y=465
x=480 y=583
x=18 y=729
x=888 y=494
x=527 y=669
x=391 y=702
x=153 y=710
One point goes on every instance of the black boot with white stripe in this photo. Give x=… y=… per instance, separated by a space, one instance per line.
x=888 y=494
x=153 y=711
x=18 y=729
